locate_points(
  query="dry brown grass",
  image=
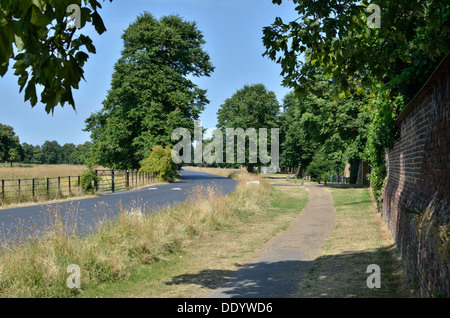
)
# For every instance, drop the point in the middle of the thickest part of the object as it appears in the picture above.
(37, 266)
(227, 173)
(41, 171)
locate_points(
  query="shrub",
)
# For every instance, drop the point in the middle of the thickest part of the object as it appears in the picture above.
(160, 163)
(88, 179)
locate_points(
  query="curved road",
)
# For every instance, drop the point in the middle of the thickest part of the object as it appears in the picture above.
(22, 221)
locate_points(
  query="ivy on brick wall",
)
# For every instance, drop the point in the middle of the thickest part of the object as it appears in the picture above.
(382, 134)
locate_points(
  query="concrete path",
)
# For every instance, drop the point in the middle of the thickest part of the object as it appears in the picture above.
(280, 264)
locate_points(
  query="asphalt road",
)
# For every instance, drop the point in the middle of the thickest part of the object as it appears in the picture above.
(23, 221)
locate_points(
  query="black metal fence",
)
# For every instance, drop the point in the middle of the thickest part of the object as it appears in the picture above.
(44, 189)
(37, 189)
(119, 180)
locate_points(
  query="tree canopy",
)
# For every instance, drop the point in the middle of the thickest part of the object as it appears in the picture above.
(334, 130)
(9, 144)
(50, 152)
(411, 40)
(387, 62)
(151, 93)
(251, 107)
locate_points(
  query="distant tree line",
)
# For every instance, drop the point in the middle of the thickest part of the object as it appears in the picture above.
(50, 152)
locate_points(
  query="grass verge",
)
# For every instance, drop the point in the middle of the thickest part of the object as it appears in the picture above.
(358, 240)
(179, 251)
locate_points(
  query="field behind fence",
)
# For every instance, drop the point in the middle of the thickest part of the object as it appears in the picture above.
(23, 190)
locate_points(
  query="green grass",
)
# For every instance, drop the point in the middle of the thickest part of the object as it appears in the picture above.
(359, 239)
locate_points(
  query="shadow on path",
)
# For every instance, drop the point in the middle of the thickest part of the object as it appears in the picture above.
(253, 280)
(331, 276)
(281, 263)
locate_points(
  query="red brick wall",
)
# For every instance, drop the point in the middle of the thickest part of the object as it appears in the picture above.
(416, 197)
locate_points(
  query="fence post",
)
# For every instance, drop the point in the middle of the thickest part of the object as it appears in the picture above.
(19, 190)
(59, 186)
(95, 181)
(112, 181)
(3, 190)
(127, 180)
(48, 187)
(69, 186)
(32, 188)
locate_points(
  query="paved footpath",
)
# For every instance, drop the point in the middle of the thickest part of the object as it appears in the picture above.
(281, 263)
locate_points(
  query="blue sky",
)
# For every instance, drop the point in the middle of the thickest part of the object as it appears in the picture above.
(232, 30)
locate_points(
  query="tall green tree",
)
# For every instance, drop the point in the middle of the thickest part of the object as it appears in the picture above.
(51, 152)
(38, 156)
(297, 150)
(81, 154)
(46, 50)
(66, 153)
(151, 91)
(251, 107)
(27, 152)
(317, 123)
(10, 147)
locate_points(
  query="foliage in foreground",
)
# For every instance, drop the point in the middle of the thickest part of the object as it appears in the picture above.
(46, 52)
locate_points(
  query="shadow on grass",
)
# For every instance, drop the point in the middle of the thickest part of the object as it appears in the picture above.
(346, 275)
(334, 276)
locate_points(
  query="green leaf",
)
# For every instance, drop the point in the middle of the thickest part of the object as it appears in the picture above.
(19, 42)
(98, 22)
(25, 19)
(41, 4)
(22, 80)
(38, 18)
(85, 16)
(88, 43)
(30, 93)
(360, 91)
